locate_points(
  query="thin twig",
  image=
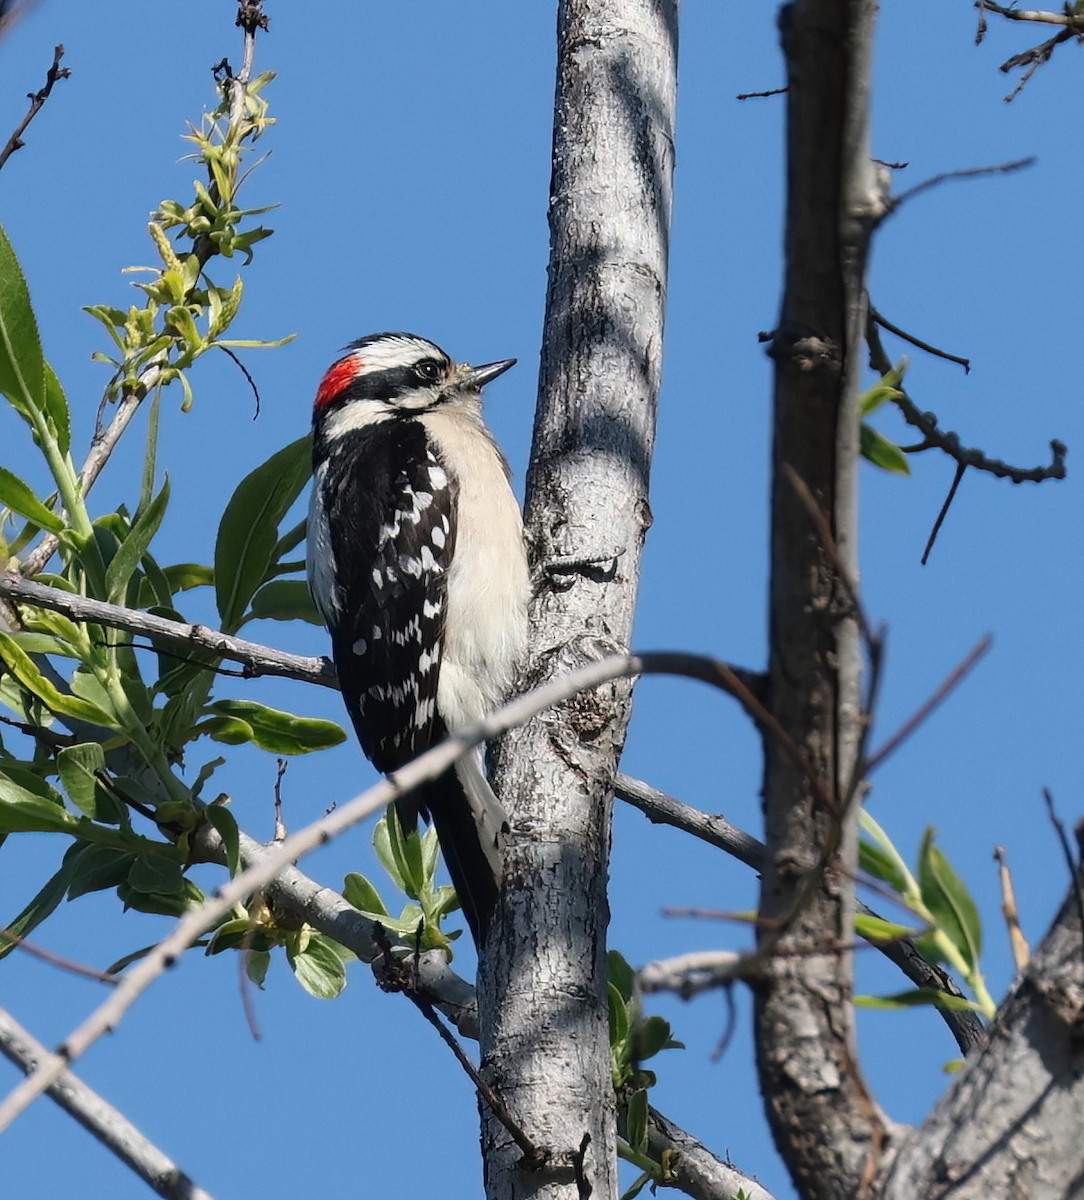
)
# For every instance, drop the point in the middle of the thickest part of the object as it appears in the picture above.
(534, 1157)
(957, 479)
(949, 443)
(779, 91)
(56, 960)
(250, 19)
(37, 101)
(99, 1118)
(1021, 952)
(910, 337)
(1070, 859)
(263, 660)
(945, 689)
(422, 769)
(893, 203)
(244, 371)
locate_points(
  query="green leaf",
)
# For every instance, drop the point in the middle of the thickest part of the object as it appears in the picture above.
(230, 731)
(640, 1182)
(359, 892)
(636, 1120)
(877, 930)
(916, 998)
(256, 965)
(430, 851)
(99, 868)
(22, 812)
(949, 902)
(183, 576)
(242, 933)
(22, 666)
(621, 975)
(881, 858)
(276, 731)
(886, 388)
(156, 875)
(56, 408)
(382, 846)
(876, 861)
(877, 449)
(285, 600)
(318, 968)
(77, 766)
(21, 499)
(135, 545)
(22, 367)
(224, 824)
(652, 1035)
(619, 1016)
(162, 905)
(406, 849)
(248, 532)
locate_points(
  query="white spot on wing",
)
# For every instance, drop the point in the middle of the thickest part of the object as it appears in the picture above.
(360, 646)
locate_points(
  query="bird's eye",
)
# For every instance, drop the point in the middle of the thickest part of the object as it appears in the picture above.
(428, 371)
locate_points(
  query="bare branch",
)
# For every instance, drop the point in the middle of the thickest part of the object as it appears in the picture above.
(945, 689)
(694, 1169)
(933, 436)
(326, 910)
(428, 766)
(893, 203)
(688, 975)
(943, 512)
(99, 1118)
(1066, 18)
(37, 100)
(885, 323)
(965, 1026)
(663, 809)
(256, 659)
(55, 960)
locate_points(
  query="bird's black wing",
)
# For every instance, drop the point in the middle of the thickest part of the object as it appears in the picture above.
(390, 507)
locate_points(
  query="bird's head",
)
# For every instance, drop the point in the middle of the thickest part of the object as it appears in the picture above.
(387, 375)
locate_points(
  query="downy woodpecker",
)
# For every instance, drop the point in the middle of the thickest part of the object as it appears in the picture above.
(416, 562)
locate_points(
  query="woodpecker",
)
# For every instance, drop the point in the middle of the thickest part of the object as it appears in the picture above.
(416, 562)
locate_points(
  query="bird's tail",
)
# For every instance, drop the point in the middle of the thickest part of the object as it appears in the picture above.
(471, 826)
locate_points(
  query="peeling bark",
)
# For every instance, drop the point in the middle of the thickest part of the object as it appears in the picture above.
(543, 1011)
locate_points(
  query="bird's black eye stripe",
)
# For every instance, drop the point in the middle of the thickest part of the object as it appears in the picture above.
(428, 370)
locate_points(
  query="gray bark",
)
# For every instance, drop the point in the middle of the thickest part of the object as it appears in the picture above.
(1011, 1123)
(825, 1123)
(543, 1011)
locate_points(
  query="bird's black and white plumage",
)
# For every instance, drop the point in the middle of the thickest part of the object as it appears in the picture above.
(416, 562)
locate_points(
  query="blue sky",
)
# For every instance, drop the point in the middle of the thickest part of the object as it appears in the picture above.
(411, 163)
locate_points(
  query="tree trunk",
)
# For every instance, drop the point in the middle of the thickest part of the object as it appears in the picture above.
(543, 1008)
(1010, 1124)
(825, 1123)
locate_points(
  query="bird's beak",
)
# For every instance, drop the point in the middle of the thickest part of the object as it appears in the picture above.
(478, 377)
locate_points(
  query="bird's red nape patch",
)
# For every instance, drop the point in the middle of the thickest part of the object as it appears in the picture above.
(338, 377)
